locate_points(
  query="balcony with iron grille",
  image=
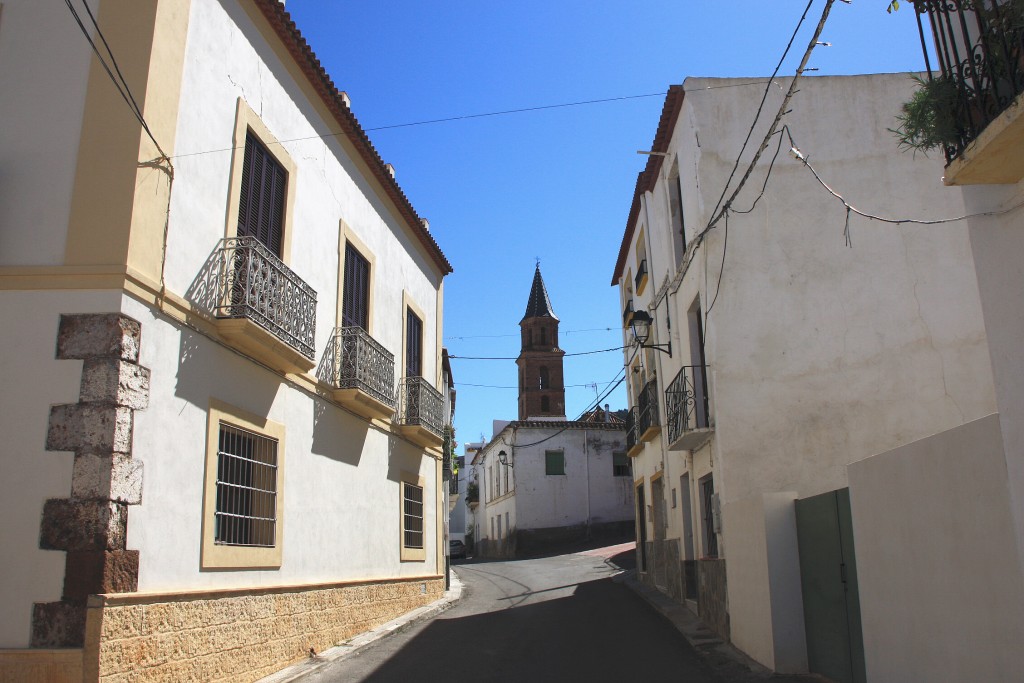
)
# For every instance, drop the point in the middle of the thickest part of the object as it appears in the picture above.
(627, 313)
(633, 444)
(975, 95)
(640, 281)
(262, 306)
(420, 412)
(686, 404)
(363, 374)
(648, 422)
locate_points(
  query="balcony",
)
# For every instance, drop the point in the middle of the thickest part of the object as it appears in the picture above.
(420, 412)
(648, 422)
(262, 307)
(472, 495)
(979, 45)
(686, 402)
(640, 281)
(633, 444)
(363, 374)
(627, 313)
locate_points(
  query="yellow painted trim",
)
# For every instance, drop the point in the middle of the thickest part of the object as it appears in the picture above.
(246, 121)
(348, 235)
(411, 554)
(439, 339)
(215, 556)
(440, 511)
(657, 475)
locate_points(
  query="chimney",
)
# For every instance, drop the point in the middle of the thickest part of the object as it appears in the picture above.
(606, 418)
(391, 169)
(345, 98)
(426, 224)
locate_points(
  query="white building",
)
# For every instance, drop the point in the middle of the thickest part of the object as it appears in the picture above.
(545, 484)
(794, 359)
(241, 427)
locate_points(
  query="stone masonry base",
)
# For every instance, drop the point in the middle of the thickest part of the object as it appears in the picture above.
(235, 635)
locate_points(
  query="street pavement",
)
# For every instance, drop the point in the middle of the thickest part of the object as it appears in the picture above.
(569, 617)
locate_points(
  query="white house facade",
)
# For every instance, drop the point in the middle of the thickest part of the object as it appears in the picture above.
(794, 347)
(224, 382)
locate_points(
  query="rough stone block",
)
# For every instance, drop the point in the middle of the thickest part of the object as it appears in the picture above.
(111, 335)
(71, 524)
(107, 477)
(58, 624)
(111, 380)
(100, 571)
(91, 427)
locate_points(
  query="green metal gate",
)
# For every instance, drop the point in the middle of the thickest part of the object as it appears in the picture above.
(828, 571)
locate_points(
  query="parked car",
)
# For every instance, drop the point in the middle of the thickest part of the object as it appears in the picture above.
(457, 549)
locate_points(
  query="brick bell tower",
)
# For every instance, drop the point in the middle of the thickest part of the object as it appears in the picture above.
(541, 387)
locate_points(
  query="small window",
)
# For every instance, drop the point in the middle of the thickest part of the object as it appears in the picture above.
(554, 462)
(545, 404)
(621, 466)
(412, 516)
(545, 380)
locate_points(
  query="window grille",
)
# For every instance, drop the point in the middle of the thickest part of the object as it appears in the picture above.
(246, 511)
(412, 511)
(554, 462)
(620, 465)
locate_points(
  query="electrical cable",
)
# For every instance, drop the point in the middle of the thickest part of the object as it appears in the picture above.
(431, 121)
(119, 81)
(496, 336)
(581, 353)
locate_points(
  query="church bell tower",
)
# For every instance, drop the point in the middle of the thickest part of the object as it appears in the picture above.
(541, 386)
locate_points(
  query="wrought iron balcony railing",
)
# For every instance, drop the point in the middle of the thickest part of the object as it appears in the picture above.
(647, 408)
(360, 362)
(421, 405)
(256, 285)
(641, 273)
(627, 313)
(686, 402)
(631, 426)
(979, 45)
(453, 485)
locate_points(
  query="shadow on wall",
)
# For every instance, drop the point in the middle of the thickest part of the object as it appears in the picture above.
(337, 434)
(403, 457)
(206, 370)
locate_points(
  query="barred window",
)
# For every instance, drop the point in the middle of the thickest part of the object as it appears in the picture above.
(412, 514)
(620, 465)
(246, 509)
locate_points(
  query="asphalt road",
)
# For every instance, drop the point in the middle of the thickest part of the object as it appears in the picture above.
(560, 618)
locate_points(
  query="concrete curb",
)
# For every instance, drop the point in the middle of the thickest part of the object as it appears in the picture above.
(723, 659)
(297, 671)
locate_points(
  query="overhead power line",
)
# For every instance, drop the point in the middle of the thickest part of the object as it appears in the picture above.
(444, 120)
(581, 353)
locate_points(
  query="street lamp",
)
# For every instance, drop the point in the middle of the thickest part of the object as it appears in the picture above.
(504, 460)
(641, 324)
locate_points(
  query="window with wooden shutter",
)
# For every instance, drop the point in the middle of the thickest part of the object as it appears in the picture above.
(355, 307)
(261, 205)
(413, 345)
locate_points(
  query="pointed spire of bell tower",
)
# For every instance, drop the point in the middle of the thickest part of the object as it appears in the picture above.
(541, 387)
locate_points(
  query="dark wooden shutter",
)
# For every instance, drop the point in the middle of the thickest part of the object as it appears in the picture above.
(413, 345)
(261, 206)
(355, 303)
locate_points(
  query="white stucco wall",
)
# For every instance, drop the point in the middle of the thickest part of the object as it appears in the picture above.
(228, 59)
(940, 588)
(33, 380)
(44, 81)
(996, 241)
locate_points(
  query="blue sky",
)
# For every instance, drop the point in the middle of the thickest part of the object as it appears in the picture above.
(555, 184)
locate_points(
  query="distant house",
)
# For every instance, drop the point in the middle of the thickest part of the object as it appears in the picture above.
(223, 407)
(813, 440)
(545, 481)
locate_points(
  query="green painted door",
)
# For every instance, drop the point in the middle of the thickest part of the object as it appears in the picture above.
(828, 571)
